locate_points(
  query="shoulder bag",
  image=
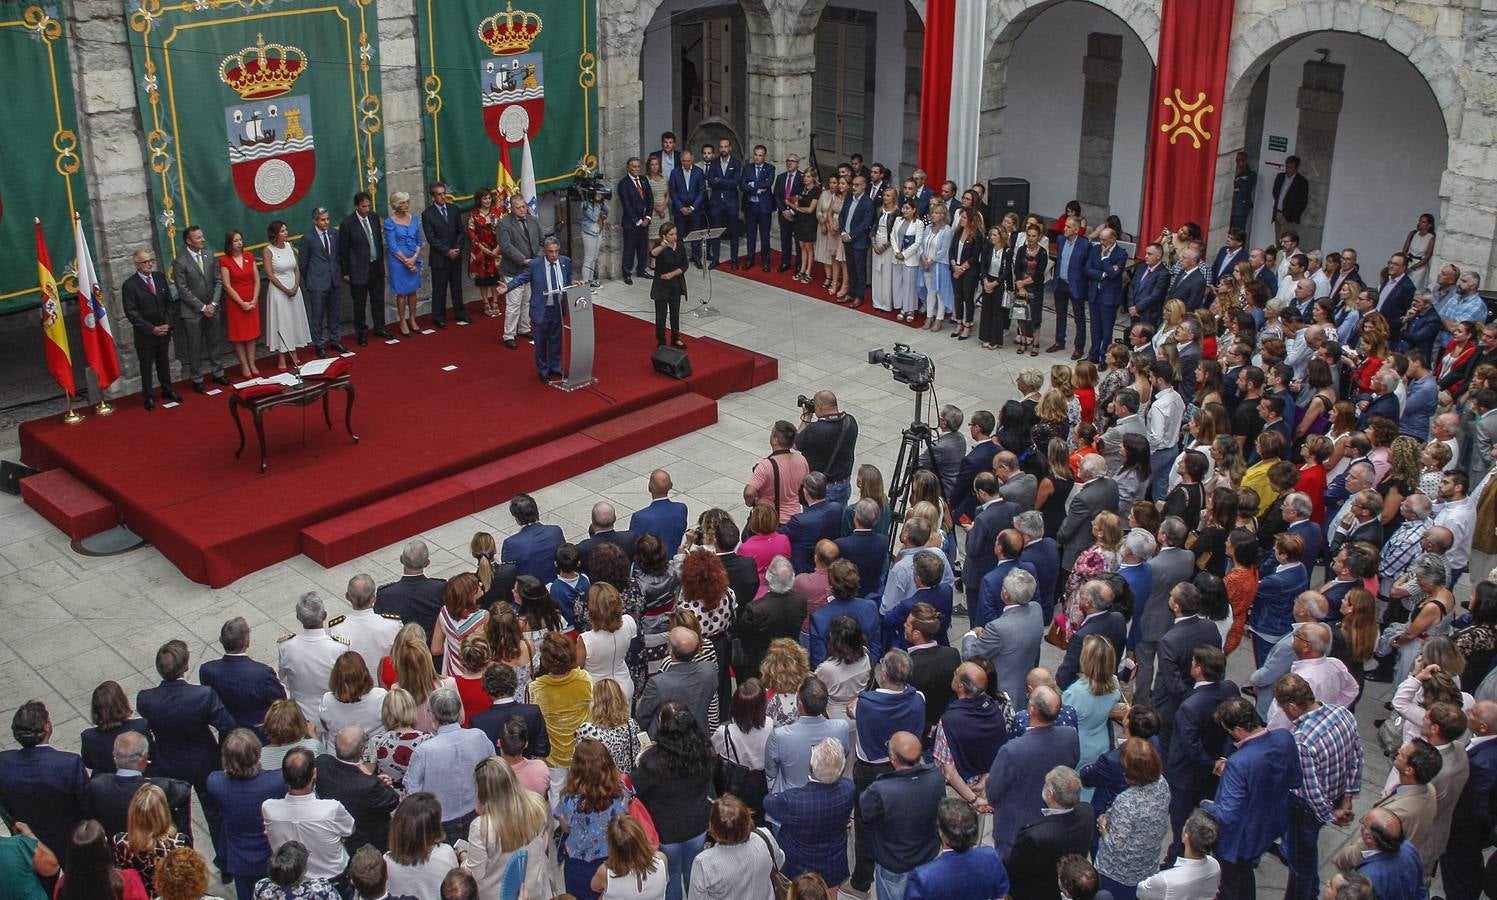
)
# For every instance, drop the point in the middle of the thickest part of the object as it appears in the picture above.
(777, 879)
(733, 777)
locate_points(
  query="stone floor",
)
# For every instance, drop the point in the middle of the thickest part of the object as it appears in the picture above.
(72, 621)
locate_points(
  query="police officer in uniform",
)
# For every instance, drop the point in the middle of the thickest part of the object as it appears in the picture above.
(306, 659)
(368, 633)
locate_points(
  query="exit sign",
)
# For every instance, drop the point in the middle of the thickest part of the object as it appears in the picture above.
(1278, 143)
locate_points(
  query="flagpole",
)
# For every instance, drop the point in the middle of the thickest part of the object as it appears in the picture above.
(72, 416)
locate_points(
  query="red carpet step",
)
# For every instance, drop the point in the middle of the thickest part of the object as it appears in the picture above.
(76, 509)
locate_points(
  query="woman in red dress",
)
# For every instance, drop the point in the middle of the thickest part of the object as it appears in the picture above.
(241, 285)
(483, 255)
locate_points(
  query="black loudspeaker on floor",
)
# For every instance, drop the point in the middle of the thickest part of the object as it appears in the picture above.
(671, 361)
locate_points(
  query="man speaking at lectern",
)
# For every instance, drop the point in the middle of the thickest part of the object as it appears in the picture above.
(548, 275)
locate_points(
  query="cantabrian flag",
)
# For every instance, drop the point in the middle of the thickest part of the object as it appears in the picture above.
(98, 336)
(54, 331)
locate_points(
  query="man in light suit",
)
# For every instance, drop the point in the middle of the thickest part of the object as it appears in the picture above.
(361, 259)
(637, 199)
(1096, 493)
(688, 681)
(1011, 641)
(548, 276)
(199, 310)
(447, 236)
(149, 307)
(856, 227)
(665, 518)
(1104, 279)
(1069, 286)
(787, 186)
(1291, 194)
(689, 202)
(758, 205)
(1172, 565)
(724, 177)
(1151, 279)
(533, 548)
(320, 277)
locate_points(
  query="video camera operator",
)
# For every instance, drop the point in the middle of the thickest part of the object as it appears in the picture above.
(950, 449)
(828, 437)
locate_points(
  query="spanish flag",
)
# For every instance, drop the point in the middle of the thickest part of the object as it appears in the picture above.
(54, 332)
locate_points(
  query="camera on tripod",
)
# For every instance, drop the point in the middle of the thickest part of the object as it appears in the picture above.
(909, 367)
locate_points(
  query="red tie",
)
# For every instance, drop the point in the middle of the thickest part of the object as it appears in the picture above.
(150, 284)
(788, 178)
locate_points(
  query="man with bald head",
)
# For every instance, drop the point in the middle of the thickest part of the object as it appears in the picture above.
(1389, 860)
(1476, 810)
(1309, 606)
(829, 439)
(689, 681)
(370, 800)
(601, 530)
(665, 518)
(898, 810)
(107, 796)
(1014, 484)
(1016, 780)
(969, 733)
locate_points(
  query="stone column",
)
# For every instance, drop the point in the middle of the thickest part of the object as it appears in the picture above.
(1319, 105)
(401, 99)
(780, 67)
(621, 38)
(117, 176)
(1102, 68)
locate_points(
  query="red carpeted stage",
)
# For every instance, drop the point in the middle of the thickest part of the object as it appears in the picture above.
(434, 445)
(786, 281)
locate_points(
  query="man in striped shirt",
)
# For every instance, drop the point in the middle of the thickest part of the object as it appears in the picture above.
(1330, 759)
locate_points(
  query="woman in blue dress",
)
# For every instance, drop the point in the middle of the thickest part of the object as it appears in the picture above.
(1094, 696)
(403, 258)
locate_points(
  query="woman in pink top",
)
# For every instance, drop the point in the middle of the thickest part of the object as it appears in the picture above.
(764, 542)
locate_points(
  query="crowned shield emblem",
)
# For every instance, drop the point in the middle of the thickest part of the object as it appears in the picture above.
(271, 153)
(514, 97)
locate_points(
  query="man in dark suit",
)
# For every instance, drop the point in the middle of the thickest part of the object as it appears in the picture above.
(415, 597)
(1396, 295)
(962, 500)
(1198, 740)
(1229, 255)
(987, 602)
(245, 686)
(855, 226)
(1190, 285)
(637, 199)
(724, 181)
(665, 518)
(361, 259)
(669, 156)
(777, 614)
(320, 280)
(1069, 286)
(1291, 194)
(1252, 798)
(787, 187)
(500, 683)
(601, 531)
(1475, 811)
(1152, 615)
(866, 548)
(1042, 553)
(447, 237)
(758, 205)
(369, 800)
(688, 202)
(1151, 279)
(1016, 782)
(200, 308)
(548, 276)
(1098, 617)
(689, 681)
(743, 574)
(1104, 279)
(520, 243)
(1176, 649)
(184, 718)
(819, 519)
(1042, 841)
(106, 797)
(532, 549)
(151, 310)
(932, 664)
(40, 785)
(993, 515)
(1095, 493)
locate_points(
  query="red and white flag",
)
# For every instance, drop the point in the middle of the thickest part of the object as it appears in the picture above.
(98, 337)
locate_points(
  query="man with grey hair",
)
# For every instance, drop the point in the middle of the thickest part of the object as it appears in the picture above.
(1095, 492)
(244, 685)
(1384, 402)
(864, 547)
(1043, 554)
(1328, 677)
(1064, 827)
(369, 799)
(368, 633)
(519, 246)
(779, 613)
(687, 680)
(812, 815)
(1012, 640)
(306, 658)
(1171, 565)
(1095, 600)
(322, 283)
(548, 277)
(1361, 521)
(879, 713)
(1446, 428)
(1309, 606)
(107, 795)
(414, 598)
(1296, 510)
(1016, 781)
(948, 450)
(602, 529)
(444, 763)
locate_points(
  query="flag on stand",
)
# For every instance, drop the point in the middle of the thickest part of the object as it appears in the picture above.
(527, 180)
(98, 337)
(54, 331)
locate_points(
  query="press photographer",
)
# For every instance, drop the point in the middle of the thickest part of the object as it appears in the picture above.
(828, 437)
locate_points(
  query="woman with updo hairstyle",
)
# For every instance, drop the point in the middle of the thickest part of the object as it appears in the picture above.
(351, 699)
(1143, 381)
(403, 259)
(739, 861)
(476, 656)
(564, 693)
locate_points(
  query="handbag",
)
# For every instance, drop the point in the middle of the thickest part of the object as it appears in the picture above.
(777, 879)
(733, 777)
(1390, 735)
(1056, 636)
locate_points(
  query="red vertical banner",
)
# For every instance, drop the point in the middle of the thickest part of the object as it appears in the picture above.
(935, 88)
(1189, 93)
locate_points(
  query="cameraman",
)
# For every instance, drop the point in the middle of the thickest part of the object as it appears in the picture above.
(829, 441)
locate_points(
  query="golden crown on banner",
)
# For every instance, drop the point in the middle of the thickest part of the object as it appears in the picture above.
(509, 32)
(264, 70)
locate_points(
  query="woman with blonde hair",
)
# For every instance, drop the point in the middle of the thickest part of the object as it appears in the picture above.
(870, 487)
(486, 551)
(935, 257)
(1060, 380)
(286, 728)
(1174, 313)
(603, 651)
(403, 259)
(1102, 556)
(508, 645)
(786, 667)
(391, 750)
(149, 833)
(416, 673)
(1095, 697)
(634, 869)
(610, 724)
(351, 699)
(1054, 420)
(459, 617)
(1142, 366)
(1227, 463)
(510, 818)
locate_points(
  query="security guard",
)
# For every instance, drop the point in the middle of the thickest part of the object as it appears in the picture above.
(306, 659)
(368, 633)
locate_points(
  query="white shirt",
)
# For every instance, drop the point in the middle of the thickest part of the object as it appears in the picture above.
(1460, 517)
(1166, 411)
(333, 715)
(1322, 284)
(1187, 879)
(304, 664)
(424, 880)
(369, 634)
(319, 824)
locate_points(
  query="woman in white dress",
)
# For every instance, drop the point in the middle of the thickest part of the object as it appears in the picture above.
(286, 326)
(907, 243)
(883, 253)
(603, 651)
(844, 671)
(1419, 247)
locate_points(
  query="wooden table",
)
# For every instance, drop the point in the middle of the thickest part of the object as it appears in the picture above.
(304, 394)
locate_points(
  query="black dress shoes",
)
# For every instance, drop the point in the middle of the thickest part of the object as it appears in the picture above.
(628, 280)
(171, 395)
(149, 403)
(221, 379)
(338, 347)
(524, 336)
(381, 333)
(783, 267)
(644, 275)
(766, 267)
(542, 377)
(200, 387)
(441, 325)
(363, 340)
(510, 343)
(735, 265)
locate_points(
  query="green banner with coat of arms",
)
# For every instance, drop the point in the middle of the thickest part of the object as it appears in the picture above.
(41, 173)
(256, 111)
(497, 74)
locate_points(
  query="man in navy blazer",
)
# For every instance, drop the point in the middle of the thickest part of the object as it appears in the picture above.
(107, 796)
(500, 683)
(1198, 740)
(1229, 255)
(637, 202)
(1476, 810)
(1104, 278)
(855, 228)
(759, 204)
(1151, 279)
(787, 187)
(1190, 285)
(986, 603)
(447, 236)
(866, 548)
(1016, 782)
(546, 275)
(1172, 681)
(963, 869)
(818, 520)
(1252, 798)
(688, 201)
(322, 281)
(992, 516)
(724, 181)
(665, 518)
(532, 549)
(1095, 599)
(415, 597)
(1384, 402)
(39, 784)
(245, 686)
(1042, 553)
(1072, 249)
(1396, 295)
(184, 718)
(963, 501)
